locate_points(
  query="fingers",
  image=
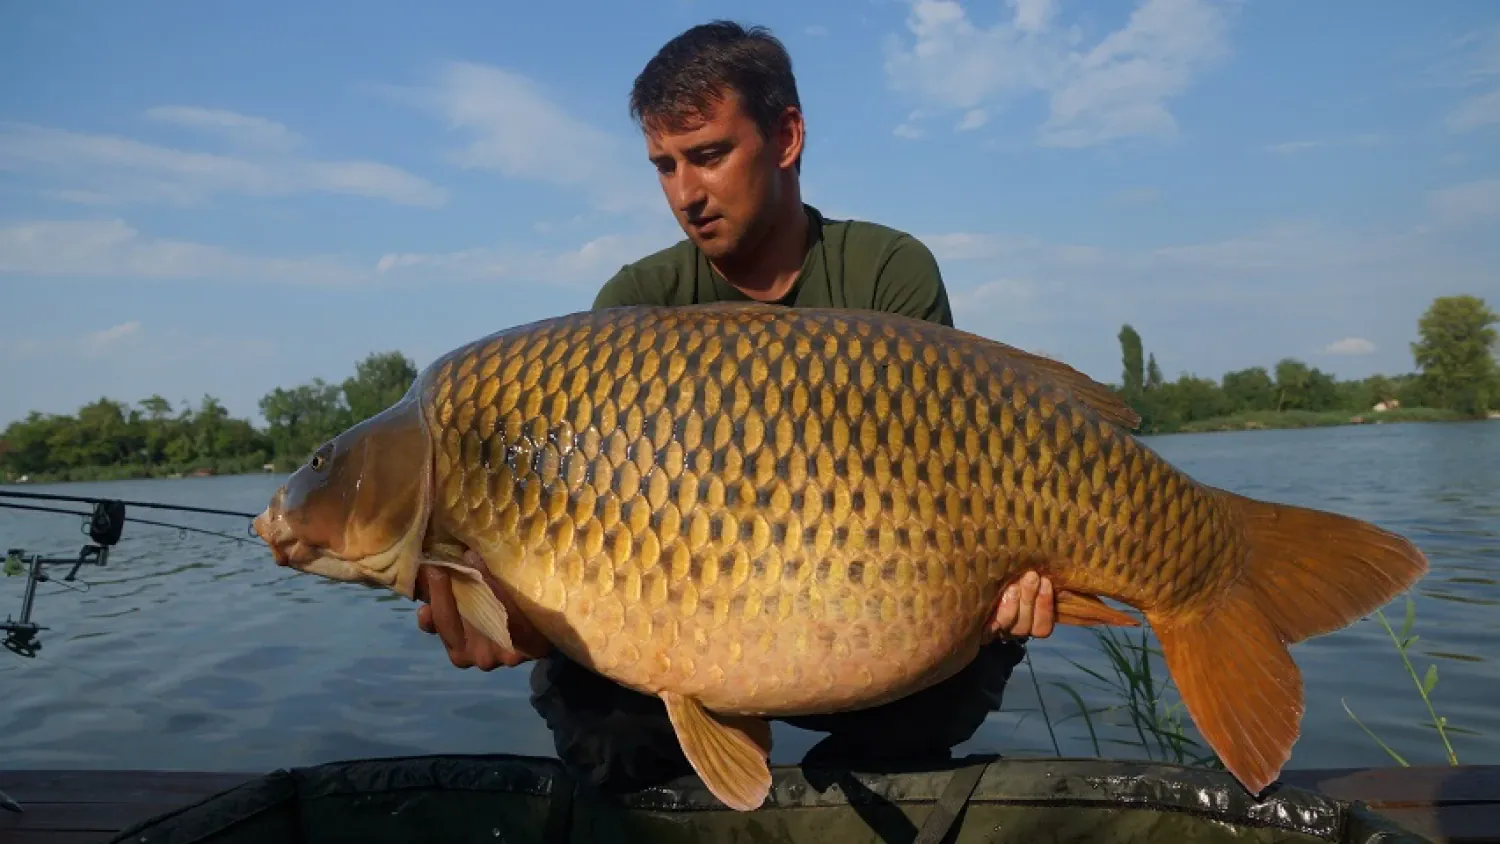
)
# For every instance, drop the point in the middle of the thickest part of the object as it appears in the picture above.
(1005, 613)
(444, 617)
(1027, 607)
(467, 647)
(529, 642)
(1026, 604)
(1045, 611)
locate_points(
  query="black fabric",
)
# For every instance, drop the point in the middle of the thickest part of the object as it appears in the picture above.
(522, 800)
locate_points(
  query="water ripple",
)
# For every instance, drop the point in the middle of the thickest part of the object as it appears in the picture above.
(190, 652)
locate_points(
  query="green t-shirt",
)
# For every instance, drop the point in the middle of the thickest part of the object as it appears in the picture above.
(849, 264)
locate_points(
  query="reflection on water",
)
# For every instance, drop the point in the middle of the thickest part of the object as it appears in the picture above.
(187, 651)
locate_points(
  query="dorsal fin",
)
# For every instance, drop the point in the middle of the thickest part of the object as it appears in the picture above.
(1100, 398)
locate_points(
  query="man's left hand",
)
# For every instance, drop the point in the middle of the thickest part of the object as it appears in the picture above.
(1027, 608)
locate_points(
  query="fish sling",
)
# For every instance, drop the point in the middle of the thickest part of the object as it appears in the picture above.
(753, 511)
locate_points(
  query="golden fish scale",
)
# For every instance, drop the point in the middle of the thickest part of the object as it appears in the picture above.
(796, 511)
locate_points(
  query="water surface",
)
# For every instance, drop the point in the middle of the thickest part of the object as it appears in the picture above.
(190, 652)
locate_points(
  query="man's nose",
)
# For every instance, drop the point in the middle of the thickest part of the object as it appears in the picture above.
(687, 189)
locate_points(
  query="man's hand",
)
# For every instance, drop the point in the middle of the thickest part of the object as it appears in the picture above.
(1027, 608)
(467, 647)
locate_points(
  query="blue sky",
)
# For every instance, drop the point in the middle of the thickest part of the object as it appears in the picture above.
(225, 198)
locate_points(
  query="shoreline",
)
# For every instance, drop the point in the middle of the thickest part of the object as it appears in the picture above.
(1258, 421)
(1287, 420)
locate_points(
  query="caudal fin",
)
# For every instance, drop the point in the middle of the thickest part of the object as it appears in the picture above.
(1304, 572)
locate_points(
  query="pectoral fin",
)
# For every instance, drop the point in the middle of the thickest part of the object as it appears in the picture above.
(1089, 611)
(730, 753)
(477, 604)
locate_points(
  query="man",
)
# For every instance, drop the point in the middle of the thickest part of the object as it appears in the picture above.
(719, 109)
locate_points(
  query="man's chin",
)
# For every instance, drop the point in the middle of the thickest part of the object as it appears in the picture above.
(715, 248)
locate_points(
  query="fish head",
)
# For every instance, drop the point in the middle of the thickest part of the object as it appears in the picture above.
(357, 511)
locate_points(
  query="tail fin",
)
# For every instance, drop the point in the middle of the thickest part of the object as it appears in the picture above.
(1305, 572)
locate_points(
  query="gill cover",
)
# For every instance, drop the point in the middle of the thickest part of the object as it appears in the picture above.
(357, 510)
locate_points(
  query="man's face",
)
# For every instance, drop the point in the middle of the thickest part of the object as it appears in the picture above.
(721, 177)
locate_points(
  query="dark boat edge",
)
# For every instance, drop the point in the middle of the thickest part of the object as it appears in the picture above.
(1459, 804)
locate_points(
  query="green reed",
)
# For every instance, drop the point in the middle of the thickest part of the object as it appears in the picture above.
(1147, 705)
(1425, 684)
(1154, 717)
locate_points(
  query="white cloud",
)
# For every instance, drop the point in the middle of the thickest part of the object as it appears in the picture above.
(1216, 304)
(1474, 62)
(1477, 111)
(1117, 88)
(106, 339)
(909, 131)
(1032, 15)
(1350, 346)
(973, 119)
(515, 130)
(587, 265)
(112, 249)
(1000, 293)
(1461, 204)
(1293, 147)
(1287, 265)
(232, 126)
(121, 169)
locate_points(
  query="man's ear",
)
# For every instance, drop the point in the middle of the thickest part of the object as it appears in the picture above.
(791, 133)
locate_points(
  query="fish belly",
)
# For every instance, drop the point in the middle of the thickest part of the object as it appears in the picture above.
(767, 639)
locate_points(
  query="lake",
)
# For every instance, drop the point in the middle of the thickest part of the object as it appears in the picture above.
(193, 652)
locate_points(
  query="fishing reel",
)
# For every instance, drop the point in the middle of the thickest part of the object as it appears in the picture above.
(104, 527)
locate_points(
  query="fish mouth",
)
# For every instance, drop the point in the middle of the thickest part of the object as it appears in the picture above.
(286, 548)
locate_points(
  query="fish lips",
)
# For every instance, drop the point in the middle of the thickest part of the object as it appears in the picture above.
(272, 528)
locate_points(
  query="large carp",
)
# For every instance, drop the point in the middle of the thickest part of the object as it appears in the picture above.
(758, 511)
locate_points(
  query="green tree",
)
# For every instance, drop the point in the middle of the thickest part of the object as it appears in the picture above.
(302, 418)
(156, 408)
(1153, 373)
(158, 429)
(1301, 387)
(379, 381)
(30, 451)
(1134, 378)
(1249, 390)
(1195, 399)
(1456, 354)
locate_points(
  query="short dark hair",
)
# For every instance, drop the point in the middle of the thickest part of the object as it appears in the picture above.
(689, 75)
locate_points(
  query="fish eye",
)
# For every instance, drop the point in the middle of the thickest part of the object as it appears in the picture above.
(319, 459)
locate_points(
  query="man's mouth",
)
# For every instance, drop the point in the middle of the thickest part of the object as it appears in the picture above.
(706, 225)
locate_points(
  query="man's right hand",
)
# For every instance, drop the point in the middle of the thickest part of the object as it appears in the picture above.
(467, 647)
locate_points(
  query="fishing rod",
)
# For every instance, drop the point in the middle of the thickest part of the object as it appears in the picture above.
(149, 505)
(183, 528)
(103, 526)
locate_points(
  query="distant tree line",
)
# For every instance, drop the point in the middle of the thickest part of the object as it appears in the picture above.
(108, 439)
(1457, 377)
